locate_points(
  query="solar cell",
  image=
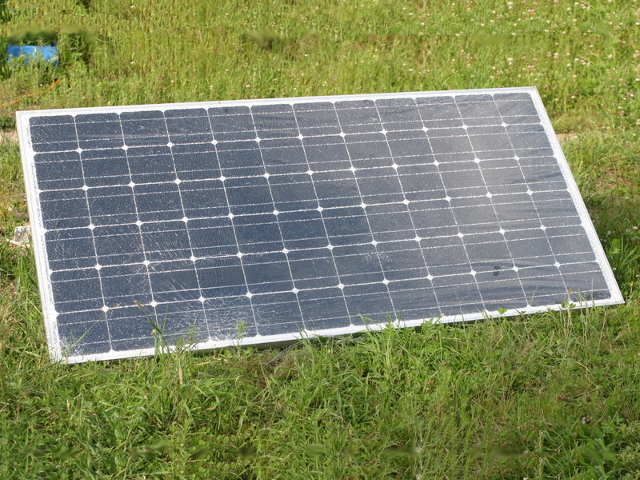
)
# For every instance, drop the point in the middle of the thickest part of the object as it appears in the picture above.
(260, 221)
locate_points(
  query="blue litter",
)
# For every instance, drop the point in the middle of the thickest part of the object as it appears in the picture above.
(32, 54)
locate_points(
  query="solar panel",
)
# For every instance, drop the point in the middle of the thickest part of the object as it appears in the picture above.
(260, 221)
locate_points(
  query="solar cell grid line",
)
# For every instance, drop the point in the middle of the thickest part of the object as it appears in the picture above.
(91, 227)
(141, 284)
(285, 251)
(262, 221)
(185, 218)
(459, 234)
(490, 143)
(211, 274)
(148, 228)
(332, 267)
(415, 116)
(372, 121)
(530, 193)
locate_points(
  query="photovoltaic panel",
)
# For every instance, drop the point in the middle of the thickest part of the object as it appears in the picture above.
(260, 221)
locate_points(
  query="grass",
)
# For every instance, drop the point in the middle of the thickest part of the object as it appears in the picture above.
(553, 395)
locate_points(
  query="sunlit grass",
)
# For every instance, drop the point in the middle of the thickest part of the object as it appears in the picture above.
(547, 396)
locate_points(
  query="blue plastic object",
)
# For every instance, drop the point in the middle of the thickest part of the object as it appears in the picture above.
(31, 54)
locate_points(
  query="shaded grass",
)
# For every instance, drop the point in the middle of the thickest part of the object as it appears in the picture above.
(547, 396)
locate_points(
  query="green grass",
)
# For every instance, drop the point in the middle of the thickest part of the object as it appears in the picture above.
(553, 395)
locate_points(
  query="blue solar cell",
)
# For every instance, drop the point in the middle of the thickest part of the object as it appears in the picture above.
(259, 221)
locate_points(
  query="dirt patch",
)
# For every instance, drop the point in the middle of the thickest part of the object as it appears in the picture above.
(9, 135)
(566, 137)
